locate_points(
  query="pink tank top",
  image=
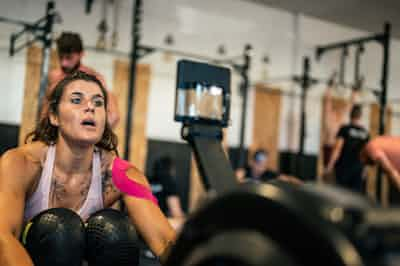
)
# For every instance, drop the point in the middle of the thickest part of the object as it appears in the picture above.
(39, 201)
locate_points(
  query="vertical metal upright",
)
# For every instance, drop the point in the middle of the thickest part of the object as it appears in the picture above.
(342, 70)
(357, 64)
(134, 55)
(305, 85)
(385, 41)
(46, 52)
(244, 91)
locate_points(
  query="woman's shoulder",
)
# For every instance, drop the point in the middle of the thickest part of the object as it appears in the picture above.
(26, 159)
(35, 151)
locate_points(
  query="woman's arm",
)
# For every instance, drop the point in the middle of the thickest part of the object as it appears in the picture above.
(148, 219)
(14, 181)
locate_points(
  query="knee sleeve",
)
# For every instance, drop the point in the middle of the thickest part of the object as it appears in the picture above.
(55, 237)
(111, 239)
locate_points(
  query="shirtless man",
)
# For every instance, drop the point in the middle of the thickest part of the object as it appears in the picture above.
(385, 152)
(70, 162)
(70, 53)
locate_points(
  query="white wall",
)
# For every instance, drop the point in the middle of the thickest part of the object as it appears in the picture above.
(199, 27)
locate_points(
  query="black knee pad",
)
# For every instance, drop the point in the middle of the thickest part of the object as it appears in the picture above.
(111, 239)
(55, 237)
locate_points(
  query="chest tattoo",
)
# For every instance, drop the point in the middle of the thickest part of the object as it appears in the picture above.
(107, 184)
(59, 189)
(67, 195)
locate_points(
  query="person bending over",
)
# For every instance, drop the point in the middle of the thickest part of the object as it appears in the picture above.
(384, 151)
(70, 53)
(70, 161)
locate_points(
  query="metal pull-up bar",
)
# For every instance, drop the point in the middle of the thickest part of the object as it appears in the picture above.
(382, 38)
(357, 63)
(305, 82)
(342, 69)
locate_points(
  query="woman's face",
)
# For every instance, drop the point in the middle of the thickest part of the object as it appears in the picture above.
(81, 113)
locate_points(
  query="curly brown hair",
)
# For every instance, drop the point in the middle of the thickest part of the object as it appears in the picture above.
(48, 133)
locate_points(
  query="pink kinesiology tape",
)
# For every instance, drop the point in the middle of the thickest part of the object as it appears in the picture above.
(127, 185)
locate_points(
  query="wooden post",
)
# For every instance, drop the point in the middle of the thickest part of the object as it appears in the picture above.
(120, 88)
(266, 125)
(31, 91)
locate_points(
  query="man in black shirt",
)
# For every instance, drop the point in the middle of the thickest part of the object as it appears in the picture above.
(345, 158)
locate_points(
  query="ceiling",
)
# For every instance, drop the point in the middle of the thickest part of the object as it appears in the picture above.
(368, 15)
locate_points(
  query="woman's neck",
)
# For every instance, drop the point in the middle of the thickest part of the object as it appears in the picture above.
(72, 158)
